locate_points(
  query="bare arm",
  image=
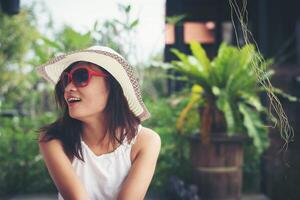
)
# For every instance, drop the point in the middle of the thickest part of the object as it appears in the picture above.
(140, 175)
(61, 171)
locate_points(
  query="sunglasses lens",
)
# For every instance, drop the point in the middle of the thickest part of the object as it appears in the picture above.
(65, 80)
(80, 77)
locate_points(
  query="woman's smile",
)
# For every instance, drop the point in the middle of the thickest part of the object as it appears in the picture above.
(74, 103)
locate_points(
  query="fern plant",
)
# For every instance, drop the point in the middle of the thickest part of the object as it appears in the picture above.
(226, 91)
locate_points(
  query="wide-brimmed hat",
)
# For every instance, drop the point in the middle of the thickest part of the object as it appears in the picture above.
(108, 59)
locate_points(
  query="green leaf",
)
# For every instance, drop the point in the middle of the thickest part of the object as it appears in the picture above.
(51, 43)
(253, 100)
(247, 54)
(225, 65)
(200, 54)
(285, 95)
(187, 68)
(41, 53)
(216, 91)
(95, 26)
(134, 23)
(256, 130)
(268, 74)
(224, 105)
(175, 19)
(128, 8)
(180, 55)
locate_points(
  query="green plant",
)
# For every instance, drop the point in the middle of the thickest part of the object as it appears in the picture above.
(175, 19)
(173, 158)
(16, 37)
(22, 169)
(118, 34)
(228, 91)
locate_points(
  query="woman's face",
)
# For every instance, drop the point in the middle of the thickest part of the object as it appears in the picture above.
(93, 97)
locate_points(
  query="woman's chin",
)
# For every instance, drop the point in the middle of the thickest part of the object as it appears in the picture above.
(75, 115)
(82, 116)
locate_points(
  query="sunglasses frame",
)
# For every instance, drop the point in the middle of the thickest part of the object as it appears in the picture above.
(90, 74)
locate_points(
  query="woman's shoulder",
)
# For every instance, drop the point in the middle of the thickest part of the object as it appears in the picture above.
(51, 146)
(147, 133)
(147, 139)
(45, 141)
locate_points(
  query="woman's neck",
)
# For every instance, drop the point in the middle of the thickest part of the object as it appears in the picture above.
(95, 132)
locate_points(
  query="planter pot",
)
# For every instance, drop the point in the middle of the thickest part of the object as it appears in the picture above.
(217, 167)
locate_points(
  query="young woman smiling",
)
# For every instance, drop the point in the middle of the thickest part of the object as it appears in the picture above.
(98, 149)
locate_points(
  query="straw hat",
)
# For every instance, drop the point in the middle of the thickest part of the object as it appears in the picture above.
(108, 59)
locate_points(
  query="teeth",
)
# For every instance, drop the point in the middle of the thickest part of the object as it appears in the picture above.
(73, 99)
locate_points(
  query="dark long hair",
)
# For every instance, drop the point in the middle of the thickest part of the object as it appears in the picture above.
(68, 130)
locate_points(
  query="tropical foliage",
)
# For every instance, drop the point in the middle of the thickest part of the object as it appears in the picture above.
(227, 84)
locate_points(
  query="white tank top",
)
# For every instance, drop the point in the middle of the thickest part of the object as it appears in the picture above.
(102, 176)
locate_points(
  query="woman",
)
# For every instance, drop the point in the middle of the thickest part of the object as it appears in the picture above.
(98, 149)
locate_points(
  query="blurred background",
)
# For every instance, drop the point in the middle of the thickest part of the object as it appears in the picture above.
(194, 61)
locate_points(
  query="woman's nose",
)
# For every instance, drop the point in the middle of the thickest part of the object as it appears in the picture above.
(70, 87)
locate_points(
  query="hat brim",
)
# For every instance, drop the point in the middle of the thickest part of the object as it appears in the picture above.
(113, 63)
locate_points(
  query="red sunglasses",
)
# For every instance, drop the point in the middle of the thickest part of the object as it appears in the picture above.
(80, 76)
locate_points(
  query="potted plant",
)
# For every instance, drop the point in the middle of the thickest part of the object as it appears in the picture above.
(226, 93)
